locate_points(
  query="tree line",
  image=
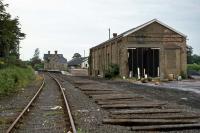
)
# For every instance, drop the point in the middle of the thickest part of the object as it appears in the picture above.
(10, 33)
(192, 58)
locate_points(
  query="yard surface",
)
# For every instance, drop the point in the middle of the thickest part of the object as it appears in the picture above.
(86, 108)
(185, 92)
(89, 114)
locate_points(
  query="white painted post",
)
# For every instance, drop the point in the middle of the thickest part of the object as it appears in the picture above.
(138, 73)
(158, 72)
(130, 74)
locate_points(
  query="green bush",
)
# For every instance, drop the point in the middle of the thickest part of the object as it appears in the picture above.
(38, 66)
(108, 74)
(194, 67)
(14, 77)
(183, 75)
(112, 71)
(2, 63)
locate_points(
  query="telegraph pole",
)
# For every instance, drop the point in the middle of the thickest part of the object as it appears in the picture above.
(109, 32)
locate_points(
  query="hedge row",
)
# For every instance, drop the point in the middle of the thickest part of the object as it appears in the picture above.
(193, 67)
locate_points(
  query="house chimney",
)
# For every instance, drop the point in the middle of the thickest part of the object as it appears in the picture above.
(114, 35)
(48, 52)
(56, 52)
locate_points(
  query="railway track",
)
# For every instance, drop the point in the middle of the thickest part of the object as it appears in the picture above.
(135, 111)
(48, 110)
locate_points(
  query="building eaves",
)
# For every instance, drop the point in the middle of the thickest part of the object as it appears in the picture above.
(150, 22)
(46, 56)
(128, 32)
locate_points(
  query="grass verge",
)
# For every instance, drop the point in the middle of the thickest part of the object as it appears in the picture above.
(13, 77)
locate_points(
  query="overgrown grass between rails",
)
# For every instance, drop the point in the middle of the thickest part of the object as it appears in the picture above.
(14, 77)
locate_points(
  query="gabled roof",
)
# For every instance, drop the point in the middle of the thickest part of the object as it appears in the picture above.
(76, 61)
(148, 23)
(46, 56)
(128, 32)
(61, 59)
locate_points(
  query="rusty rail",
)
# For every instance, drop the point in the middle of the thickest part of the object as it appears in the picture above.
(66, 104)
(26, 108)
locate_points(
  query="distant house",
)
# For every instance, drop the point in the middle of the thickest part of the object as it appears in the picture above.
(55, 62)
(79, 62)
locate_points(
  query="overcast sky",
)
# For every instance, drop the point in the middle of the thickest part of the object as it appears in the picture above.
(71, 26)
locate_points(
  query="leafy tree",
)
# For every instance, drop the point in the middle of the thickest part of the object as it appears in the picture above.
(192, 58)
(36, 58)
(10, 33)
(37, 53)
(189, 54)
(76, 55)
(196, 59)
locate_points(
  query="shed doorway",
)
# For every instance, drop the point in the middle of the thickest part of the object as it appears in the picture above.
(143, 61)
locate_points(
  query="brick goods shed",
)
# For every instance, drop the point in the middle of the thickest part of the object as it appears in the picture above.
(153, 49)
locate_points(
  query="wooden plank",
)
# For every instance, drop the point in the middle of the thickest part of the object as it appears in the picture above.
(128, 102)
(100, 92)
(173, 116)
(85, 82)
(147, 121)
(132, 106)
(166, 127)
(147, 111)
(96, 89)
(138, 98)
(114, 96)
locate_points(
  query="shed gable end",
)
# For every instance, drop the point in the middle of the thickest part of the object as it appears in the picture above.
(154, 33)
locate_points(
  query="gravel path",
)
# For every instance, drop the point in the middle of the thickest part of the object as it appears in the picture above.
(87, 114)
(47, 114)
